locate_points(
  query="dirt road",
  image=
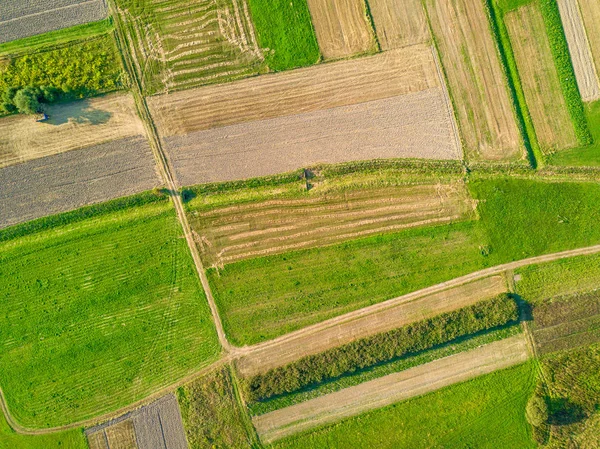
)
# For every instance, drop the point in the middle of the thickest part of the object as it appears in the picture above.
(392, 388)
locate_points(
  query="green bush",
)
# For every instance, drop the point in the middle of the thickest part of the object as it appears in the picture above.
(536, 411)
(382, 347)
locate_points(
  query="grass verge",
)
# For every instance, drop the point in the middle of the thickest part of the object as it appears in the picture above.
(70, 439)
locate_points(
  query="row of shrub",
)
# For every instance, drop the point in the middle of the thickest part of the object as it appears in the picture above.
(417, 166)
(382, 347)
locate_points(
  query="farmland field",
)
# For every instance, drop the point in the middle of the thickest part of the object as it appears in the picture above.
(109, 344)
(590, 11)
(119, 435)
(27, 18)
(458, 416)
(539, 76)
(180, 44)
(476, 79)
(399, 24)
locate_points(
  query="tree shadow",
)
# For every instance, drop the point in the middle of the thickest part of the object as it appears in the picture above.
(563, 412)
(81, 112)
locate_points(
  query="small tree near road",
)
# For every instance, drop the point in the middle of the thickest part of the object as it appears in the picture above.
(27, 101)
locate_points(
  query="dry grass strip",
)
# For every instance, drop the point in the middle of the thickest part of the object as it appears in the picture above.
(399, 23)
(590, 11)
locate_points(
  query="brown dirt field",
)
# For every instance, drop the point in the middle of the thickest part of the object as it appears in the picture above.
(399, 23)
(539, 77)
(590, 11)
(233, 233)
(391, 389)
(342, 27)
(159, 425)
(579, 47)
(363, 323)
(416, 125)
(71, 126)
(476, 79)
(118, 436)
(310, 89)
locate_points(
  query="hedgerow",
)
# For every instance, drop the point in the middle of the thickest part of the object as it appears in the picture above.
(382, 347)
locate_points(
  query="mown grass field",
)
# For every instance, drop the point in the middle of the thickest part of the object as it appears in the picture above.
(285, 33)
(487, 412)
(71, 439)
(101, 308)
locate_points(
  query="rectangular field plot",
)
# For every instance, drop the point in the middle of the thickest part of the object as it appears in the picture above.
(342, 27)
(476, 79)
(101, 308)
(63, 182)
(23, 18)
(179, 44)
(579, 48)
(590, 11)
(399, 23)
(539, 76)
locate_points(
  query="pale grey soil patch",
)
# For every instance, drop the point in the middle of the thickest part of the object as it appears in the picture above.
(409, 126)
(69, 180)
(159, 425)
(23, 18)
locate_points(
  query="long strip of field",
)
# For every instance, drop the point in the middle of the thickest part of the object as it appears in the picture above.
(590, 11)
(342, 27)
(63, 182)
(232, 233)
(71, 126)
(579, 48)
(365, 322)
(539, 76)
(19, 18)
(399, 24)
(390, 389)
(476, 79)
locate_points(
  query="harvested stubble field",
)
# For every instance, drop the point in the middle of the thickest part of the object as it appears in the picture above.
(178, 44)
(101, 308)
(389, 389)
(476, 79)
(232, 233)
(22, 18)
(399, 24)
(63, 182)
(365, 322)
(539, 77)
(579, 48)
(120, 435)
(71, 126)
(342, 27)
(590, 11)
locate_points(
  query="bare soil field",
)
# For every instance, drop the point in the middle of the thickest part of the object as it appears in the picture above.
(310, 89)
(180, 44)
(342, 27)
(69, 180)
(368, 321)
(476, 79)
(23, 18)
(579, 48)
(399, 24)
(233, 233)
(590, 11)
(409, 126)
(71, 126)
(539, 77)
(391, 388)
(120, 435)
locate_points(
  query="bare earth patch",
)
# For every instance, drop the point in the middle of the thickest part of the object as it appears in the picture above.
(399, 23)
(71, 126)
(391, 388)
(342, 27)
(362, 323)
(539, 76)
(579, 48)
(476, 79)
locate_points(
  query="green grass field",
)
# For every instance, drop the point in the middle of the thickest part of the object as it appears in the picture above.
(285, 29)
(487, 412)
(98, 312)
(55, 38)
(72, 439)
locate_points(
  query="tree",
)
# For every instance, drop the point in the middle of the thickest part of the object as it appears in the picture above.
(27, 101)
(537, 411)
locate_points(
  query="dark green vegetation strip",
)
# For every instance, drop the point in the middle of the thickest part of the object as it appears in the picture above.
(564, 66)
(99, 313)
(211, 415)
(383, 347)
(55, 38)
(457, 417)
(456, 346)
(79, 70)
(285, 33)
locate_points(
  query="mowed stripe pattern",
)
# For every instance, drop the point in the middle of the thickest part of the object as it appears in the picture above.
(391, 388)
